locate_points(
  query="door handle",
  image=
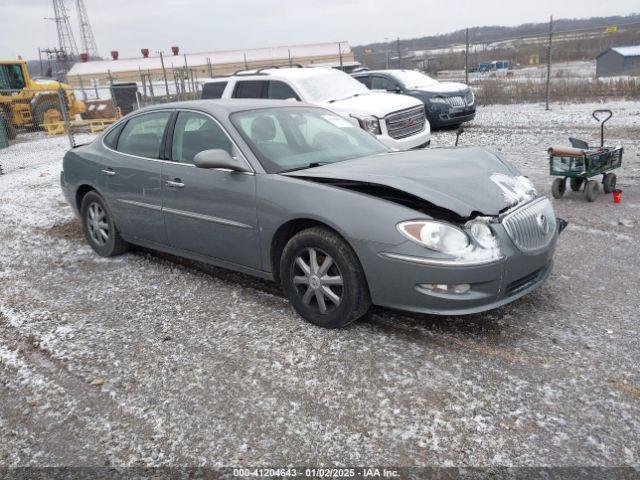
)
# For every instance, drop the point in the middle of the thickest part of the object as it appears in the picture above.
(174, 183)
(108, 172)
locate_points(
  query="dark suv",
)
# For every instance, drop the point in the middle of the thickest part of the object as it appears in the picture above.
(446, 103)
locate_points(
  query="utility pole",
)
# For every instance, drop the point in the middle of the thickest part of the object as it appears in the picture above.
(399, 55)
(466, 59)
(386, 42)
(164, 73)
(340, 54)
(549, 52)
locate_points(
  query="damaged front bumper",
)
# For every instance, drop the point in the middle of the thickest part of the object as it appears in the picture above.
(406, 279)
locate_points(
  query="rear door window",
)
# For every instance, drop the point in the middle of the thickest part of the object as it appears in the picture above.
(281, 91)
(195, 133)
(213, 90)
(250, 89)
(142, 135)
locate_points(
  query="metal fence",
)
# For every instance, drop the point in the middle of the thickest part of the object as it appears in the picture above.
(543, 67)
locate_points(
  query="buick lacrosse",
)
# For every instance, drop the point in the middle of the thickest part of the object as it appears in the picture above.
(299, 195)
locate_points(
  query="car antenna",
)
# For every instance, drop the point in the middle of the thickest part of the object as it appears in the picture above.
(459, 132)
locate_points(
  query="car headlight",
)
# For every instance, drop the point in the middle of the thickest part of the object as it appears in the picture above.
(437, 100)
(438, 236)
(370, 124)
(482, 233)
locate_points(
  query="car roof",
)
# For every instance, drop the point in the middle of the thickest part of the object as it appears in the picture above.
(226, 106)
(390, 71)
(287, 72)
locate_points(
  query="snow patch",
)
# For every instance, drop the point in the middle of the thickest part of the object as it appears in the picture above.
(514, 189)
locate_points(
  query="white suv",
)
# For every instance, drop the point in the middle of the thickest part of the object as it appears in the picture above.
(398, 121)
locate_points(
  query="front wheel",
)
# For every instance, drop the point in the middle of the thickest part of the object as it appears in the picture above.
(323, 278)
(99, 228)
(558, 187)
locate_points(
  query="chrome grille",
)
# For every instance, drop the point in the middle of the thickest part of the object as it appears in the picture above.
(455, 101)
(532, 226)
(406, 123)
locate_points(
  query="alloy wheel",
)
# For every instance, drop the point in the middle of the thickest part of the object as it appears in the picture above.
(317, 279)
(97, 224)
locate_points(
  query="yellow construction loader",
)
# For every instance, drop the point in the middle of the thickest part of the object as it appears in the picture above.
(27, 103)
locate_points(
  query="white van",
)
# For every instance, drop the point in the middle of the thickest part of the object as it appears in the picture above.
(398, 121)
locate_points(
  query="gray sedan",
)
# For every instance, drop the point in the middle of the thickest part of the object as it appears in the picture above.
(296, 194)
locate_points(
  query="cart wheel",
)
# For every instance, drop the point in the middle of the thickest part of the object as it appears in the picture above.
(576, 183)
(558, 187)
(591, 190)
(609, 182)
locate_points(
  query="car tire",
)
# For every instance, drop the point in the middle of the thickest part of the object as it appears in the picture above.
(591, 190)
(558, 187)
(330, 295)
(46, 106)
(609, 183)
(99, 228)
(576, 183)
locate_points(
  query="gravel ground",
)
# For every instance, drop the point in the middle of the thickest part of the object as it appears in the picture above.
(147, 360)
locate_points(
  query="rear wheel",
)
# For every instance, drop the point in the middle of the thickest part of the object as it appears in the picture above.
(609, 182)
(558, 187)
(323, 278)
(99, 228)
(576, 183)
(591, 190)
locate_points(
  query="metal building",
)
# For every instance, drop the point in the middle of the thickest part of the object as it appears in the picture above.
(618, 61)
(207, 64)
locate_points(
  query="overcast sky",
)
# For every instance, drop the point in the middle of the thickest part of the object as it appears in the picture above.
(206, 25)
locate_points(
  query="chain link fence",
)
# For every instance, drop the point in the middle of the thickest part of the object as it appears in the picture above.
(557, 65)
(32, 119)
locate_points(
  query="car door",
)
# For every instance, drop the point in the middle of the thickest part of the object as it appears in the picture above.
(208, 211)
(134, 187)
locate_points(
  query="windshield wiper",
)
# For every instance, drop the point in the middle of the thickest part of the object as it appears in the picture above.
(346, 98)
(311, 165)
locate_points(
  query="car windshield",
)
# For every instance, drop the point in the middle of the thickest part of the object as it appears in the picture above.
(294, 138)
(325, 84)
(413, 79)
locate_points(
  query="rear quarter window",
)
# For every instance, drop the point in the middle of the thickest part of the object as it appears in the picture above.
(250, 89)
(213, 90)
(111, 138)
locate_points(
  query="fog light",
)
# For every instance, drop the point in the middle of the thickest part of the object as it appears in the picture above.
(462, 288)
(444, 288)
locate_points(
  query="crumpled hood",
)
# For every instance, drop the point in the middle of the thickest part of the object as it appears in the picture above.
(377, 104)
(463, 180)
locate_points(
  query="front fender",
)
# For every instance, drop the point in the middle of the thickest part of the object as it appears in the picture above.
(367, 223)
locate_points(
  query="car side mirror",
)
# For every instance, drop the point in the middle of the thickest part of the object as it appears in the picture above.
(217, 158)
(394, 89)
